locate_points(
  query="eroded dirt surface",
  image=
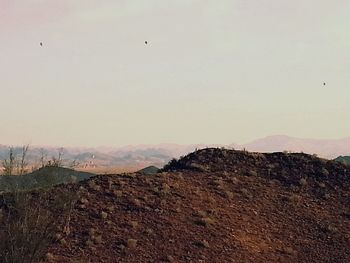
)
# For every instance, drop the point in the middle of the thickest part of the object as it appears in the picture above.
(213, 206)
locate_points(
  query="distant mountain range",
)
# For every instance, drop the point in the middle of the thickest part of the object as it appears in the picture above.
(324, 148)
(139, 156)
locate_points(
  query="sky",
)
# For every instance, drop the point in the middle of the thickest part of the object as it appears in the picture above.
(212, 72)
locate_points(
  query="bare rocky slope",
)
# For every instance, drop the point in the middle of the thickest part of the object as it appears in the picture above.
(213, 205)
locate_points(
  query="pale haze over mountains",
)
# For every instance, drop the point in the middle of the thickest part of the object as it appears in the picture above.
(159, 154)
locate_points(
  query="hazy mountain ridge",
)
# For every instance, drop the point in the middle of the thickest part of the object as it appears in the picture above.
(160, 154)
(139, 155)
(322, 147)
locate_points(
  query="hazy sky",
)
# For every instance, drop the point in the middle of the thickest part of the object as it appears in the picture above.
(213, 71)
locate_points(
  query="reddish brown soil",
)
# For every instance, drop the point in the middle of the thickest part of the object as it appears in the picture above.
(218, 206)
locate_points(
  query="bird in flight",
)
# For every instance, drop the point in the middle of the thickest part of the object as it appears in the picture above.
(324, 83)
(146, 42)
(41, 44)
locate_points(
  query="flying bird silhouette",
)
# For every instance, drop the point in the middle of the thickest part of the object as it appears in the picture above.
(146, 42)
(324, 83)
(41, 43)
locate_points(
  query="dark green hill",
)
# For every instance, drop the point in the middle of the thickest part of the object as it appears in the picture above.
(343, 159)
(41, 178)
(149, 170)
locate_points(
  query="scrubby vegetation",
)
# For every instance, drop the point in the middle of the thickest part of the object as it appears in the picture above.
(16, 177)
(15, 163)
(29, 223)
(31, 220)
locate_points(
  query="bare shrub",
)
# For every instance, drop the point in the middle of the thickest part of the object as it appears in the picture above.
(10, 163)
(43, 157)
(56, 161)
(15, 165)
(22, 163)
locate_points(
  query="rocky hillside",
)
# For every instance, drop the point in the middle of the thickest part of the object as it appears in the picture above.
(213, 205)
(290, 169)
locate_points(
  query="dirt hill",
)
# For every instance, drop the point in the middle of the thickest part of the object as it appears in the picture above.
(213, 205)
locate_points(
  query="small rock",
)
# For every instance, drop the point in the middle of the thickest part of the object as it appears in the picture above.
(321, 184)
(134, 224)
(229, 194)
(203, 244)
(131, 243)
(84, 201)
(252, 173)
(325, 172)
(170, 259)
(118, 193)
(326, 196)
(288, 250)
(50, 257)
(110, 208)
(137, 202)
(332, 228)
(89, 243)
(63, 241)
(206, 221)
(149, 231)
(98, 239)
(58, 236)
(104, 215)
(92, 232)
(302, 182)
